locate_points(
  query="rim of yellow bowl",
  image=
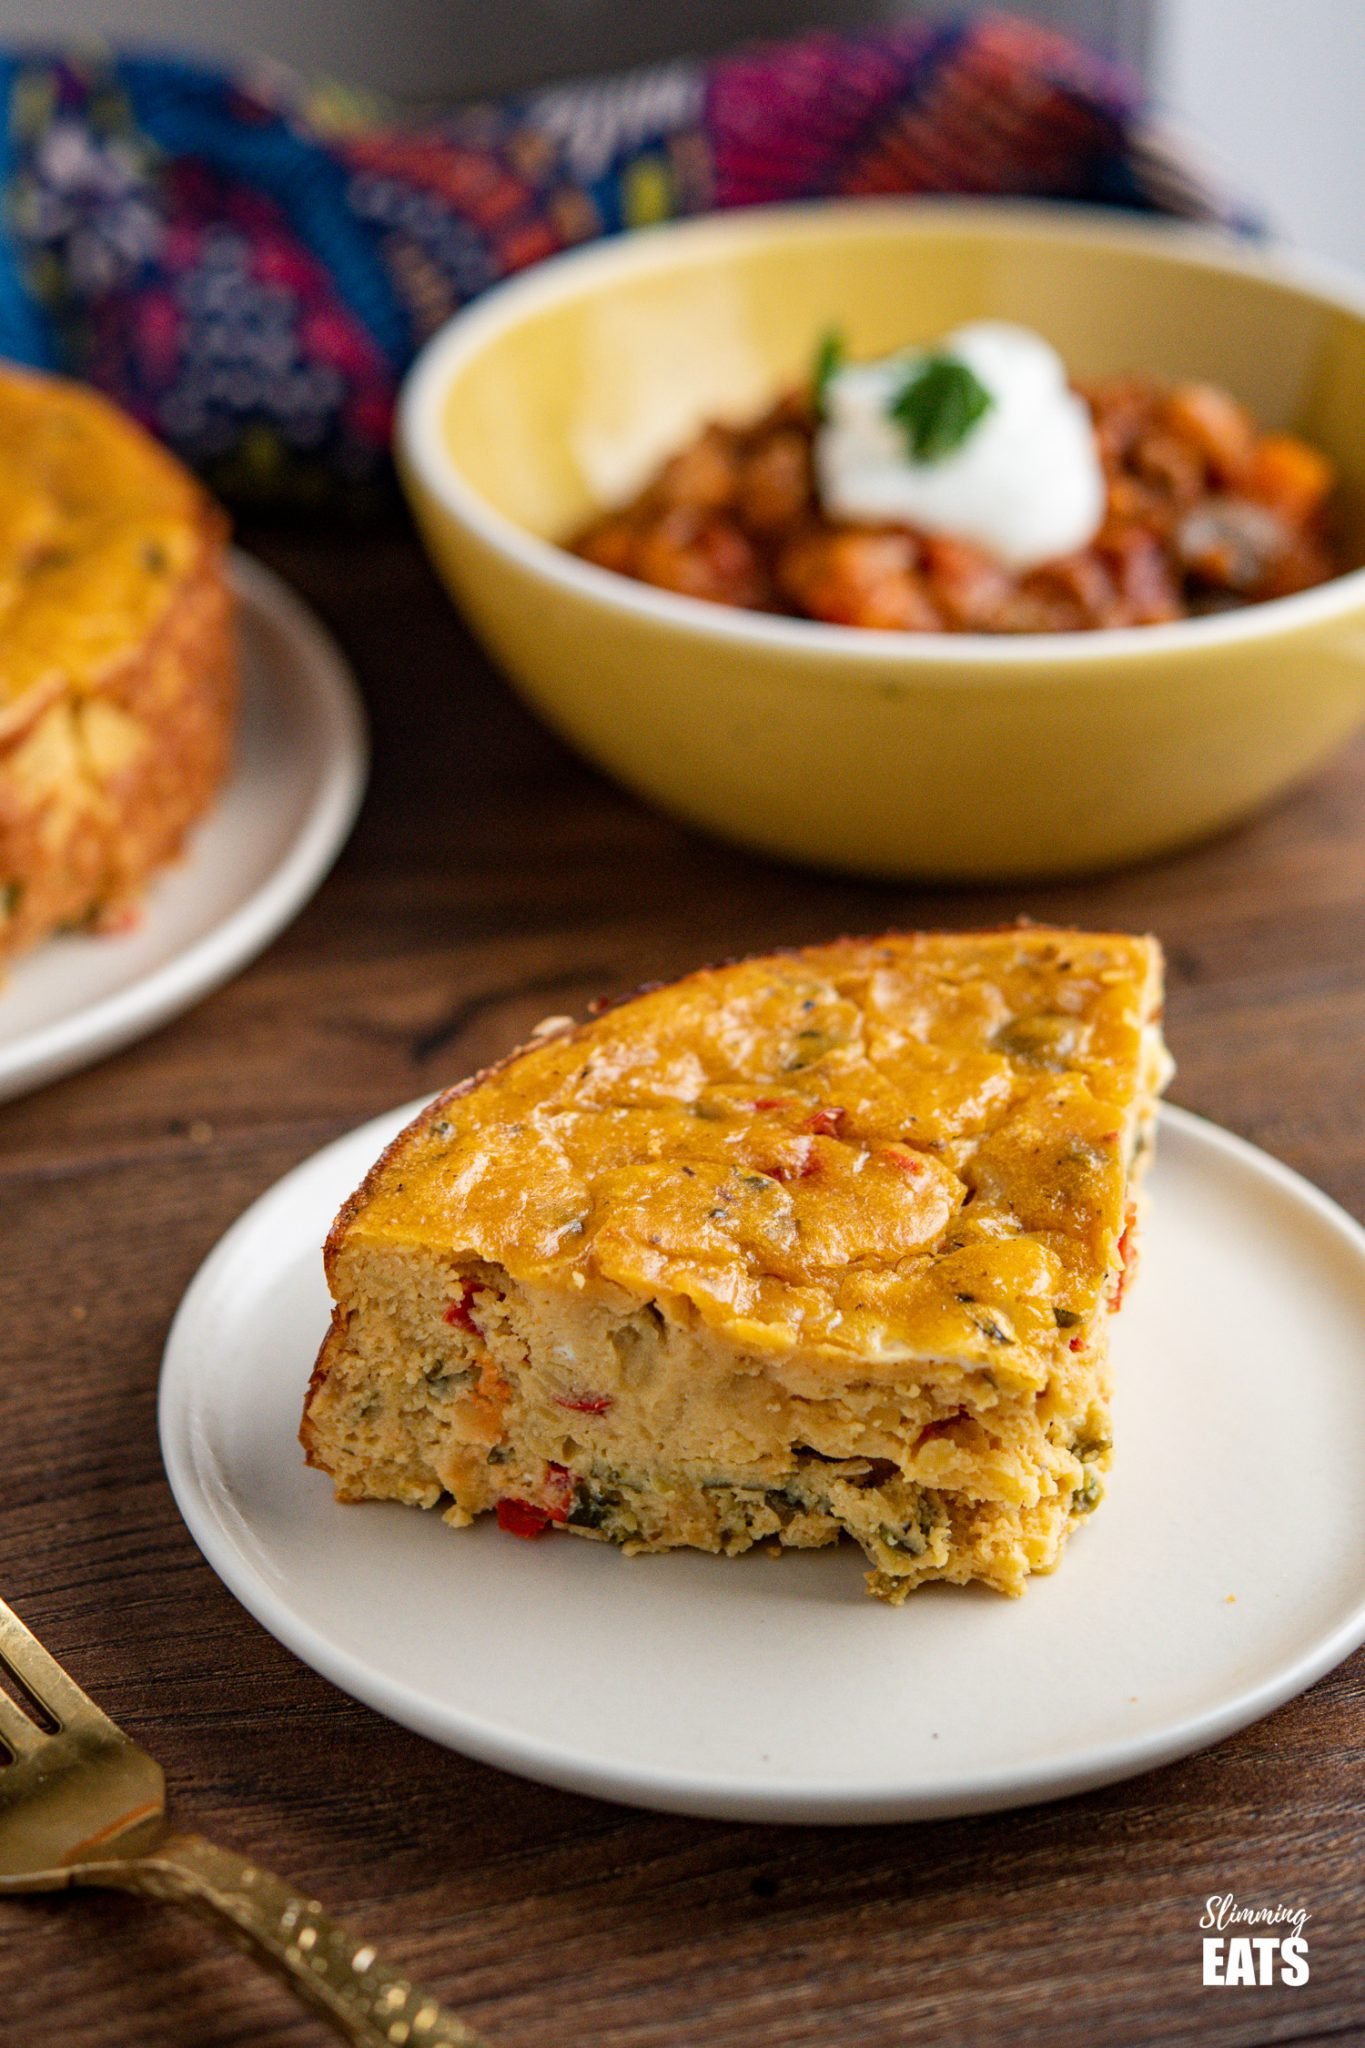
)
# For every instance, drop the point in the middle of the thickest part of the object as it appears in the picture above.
(423, 453)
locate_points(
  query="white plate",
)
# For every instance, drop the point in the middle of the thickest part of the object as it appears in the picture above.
(295, 787)
(1224, 1573)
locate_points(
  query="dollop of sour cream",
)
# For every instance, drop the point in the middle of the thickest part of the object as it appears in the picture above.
(1025, 482)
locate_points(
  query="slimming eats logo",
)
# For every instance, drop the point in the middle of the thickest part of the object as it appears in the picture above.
(1232, 1957)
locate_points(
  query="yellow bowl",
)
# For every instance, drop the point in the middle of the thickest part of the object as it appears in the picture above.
(884, 753)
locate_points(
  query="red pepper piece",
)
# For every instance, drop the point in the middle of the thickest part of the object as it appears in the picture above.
(771, 1102)
(826, 1123)
(1127, 1259)
(585, 1404)
(943, 1427)
(903, 1160)
(558, 1492)
(457, 1311)
(1074, 1343)
(523, 1518)
(803, 1167)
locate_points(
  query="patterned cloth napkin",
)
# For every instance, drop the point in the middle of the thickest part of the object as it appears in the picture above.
(248, 263)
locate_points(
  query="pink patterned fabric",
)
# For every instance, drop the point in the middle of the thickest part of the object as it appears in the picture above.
(248, 264)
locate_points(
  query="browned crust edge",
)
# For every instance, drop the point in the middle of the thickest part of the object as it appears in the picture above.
(180, 682)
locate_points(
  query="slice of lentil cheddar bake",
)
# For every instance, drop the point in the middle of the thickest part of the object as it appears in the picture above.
(117, 670)
(820, 1243)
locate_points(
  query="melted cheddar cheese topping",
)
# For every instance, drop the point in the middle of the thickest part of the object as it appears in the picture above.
(98, 528)
(876, 1149)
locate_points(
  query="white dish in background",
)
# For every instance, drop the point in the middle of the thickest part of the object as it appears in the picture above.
(249, 868)
(1222, 1575)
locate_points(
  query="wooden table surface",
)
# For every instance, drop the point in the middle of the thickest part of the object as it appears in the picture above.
(491, 879)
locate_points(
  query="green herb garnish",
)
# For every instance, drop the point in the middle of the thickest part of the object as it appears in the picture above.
(938, 405)
(829, 360)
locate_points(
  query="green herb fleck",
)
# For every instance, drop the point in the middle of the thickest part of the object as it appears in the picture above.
(939, 403)
(829, 360)
(709, 1112)
(443, 1380)
(11, 896)
(1044, 1039)
(1087, 1497)
(810, 1046)
(593, 1507)
(1065, 1318)
(989, 1327)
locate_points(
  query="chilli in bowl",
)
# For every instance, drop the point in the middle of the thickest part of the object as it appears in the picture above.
(972, 488)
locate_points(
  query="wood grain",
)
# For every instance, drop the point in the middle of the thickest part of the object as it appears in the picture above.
(493, 878)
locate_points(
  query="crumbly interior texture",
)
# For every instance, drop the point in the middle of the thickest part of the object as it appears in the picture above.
(117, 668)
(820, 1245)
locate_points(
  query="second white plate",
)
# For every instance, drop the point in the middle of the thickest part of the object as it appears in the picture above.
(1223, 1574)
(297, 778)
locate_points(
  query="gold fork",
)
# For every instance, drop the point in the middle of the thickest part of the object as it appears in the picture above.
(80, 1803)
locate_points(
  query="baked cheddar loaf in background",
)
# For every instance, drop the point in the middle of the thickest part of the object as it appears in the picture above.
(820, 1243)
(117, 678)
